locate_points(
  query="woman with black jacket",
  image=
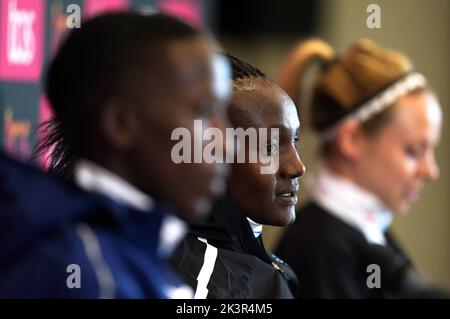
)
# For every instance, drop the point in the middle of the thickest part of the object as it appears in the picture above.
(226, 258)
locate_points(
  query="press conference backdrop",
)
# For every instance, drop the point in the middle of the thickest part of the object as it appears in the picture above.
(30, 32)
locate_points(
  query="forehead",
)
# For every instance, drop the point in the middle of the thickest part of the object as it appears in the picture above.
(418, 114)
(190, 59)
(256, 102)
(181, 69)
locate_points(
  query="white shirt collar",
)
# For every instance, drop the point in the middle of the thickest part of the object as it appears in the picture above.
(256, 228)
(94, 178)
(353, 205)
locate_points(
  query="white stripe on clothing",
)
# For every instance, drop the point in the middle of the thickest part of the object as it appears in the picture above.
(209, 261)
(107, 286)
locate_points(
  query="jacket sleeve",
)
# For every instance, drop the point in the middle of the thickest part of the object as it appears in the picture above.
(51, 266)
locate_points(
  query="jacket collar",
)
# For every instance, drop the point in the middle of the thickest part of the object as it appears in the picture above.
(353, 205)
(95, 178)
(229, 228)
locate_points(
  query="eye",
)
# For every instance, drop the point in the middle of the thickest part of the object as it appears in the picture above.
(272, 148)
(203, 109)
(296, 140)
(413, 152)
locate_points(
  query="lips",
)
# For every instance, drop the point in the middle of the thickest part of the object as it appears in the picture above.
(287, 196)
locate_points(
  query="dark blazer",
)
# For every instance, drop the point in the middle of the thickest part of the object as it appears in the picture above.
(331, 258)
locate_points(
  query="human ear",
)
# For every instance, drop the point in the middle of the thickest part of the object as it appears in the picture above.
(119, 124)
(350, 139)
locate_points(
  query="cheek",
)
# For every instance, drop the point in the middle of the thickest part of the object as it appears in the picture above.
(200, 186)
(264, 183)
(399, 166)
(251, 185)
(377, 169)
(386, 160)
(395, 172)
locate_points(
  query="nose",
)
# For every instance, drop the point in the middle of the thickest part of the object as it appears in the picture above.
(292, 166)
(429, 168)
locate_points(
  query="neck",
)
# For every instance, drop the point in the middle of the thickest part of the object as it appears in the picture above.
(343, 169)
(115, 164)
(352, 204)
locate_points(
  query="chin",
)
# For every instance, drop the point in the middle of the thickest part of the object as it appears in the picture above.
(403, 209)
(400, 208)
(291, 217)
(286, 218)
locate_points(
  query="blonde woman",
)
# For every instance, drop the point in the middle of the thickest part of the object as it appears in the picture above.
(378, 124)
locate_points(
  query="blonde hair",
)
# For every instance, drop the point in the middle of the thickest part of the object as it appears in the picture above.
(360, 72)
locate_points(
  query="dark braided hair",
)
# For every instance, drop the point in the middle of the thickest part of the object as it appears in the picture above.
(90, 67)
(243, 70)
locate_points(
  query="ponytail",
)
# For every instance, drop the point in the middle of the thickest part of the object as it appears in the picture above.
(291, 74)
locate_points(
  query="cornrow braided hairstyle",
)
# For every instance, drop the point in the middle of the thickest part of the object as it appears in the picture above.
(243, 70)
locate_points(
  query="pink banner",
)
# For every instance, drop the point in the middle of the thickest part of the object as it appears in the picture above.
(94, 7)
(186, 10)
(21, 39)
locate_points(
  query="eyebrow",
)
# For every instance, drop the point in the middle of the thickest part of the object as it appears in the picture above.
(285, 128)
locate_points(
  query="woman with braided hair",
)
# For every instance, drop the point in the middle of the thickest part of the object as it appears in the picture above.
(225, 257)
(378, 124)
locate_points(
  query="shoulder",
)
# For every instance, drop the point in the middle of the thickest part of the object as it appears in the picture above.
(221, 273)
(55, 265)
(315, 228)
(84, 260)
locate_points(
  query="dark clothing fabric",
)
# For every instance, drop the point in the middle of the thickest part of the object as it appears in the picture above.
(243, 268)
(331, 258)
(47, 225)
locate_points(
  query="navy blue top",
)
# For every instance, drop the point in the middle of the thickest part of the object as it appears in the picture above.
(46, 225)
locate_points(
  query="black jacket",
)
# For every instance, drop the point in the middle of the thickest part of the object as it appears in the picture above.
(330, 258)
(242, 269)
